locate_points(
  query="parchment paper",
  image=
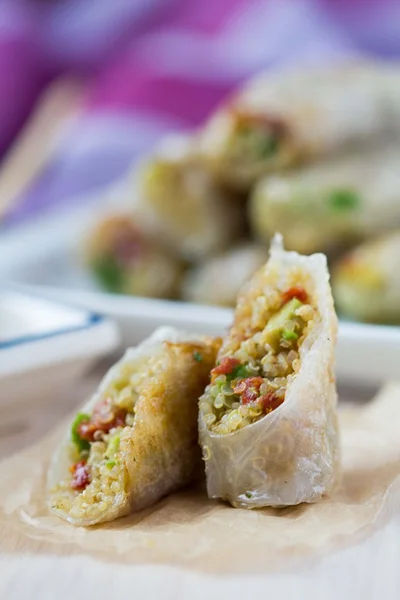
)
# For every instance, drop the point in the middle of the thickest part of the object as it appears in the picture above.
(188, 530)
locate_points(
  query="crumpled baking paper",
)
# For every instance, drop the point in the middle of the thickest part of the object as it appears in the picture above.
(189, 531)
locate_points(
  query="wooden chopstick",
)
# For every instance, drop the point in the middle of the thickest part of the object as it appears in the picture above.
(37, 142)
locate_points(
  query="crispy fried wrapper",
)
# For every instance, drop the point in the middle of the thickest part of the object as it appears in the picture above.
(366, 281)
(175, 199)
(290, 455)
(159, 453)
(278, 120)
(331, 204)
(126, 260)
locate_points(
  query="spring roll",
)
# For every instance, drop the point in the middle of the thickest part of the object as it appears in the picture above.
(175, 199)
(124, 260)
(281, 119)
(136, 439)
(332, 204)
(366, 282)
(267, 422)
(219, 279)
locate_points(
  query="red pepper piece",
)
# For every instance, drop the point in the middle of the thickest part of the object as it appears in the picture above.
(81, 476)
(295, 292)
(248, 389)
(103, 419)
(270, 402)
(263, 122)
(226, 367)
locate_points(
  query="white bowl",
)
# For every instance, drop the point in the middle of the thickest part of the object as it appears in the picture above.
(44, 344)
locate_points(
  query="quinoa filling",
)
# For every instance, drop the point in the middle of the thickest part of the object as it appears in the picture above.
(96, 472)
(255, 138)
(124, 248)
(251, 381)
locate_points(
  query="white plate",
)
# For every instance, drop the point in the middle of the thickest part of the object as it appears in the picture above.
(45, 253)
(366, 354)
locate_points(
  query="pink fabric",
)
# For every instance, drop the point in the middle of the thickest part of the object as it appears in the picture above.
(157, 65)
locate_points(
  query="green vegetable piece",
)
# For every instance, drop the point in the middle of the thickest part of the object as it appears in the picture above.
(197, 356)
(344, 199)
(265, 144)
(289, 336)
(110, 464)
(249, 494)
(75, 437)
(239, 372)
(109, 274)
(268, 146)
(276, 324)
(113, 445)
(244, 130)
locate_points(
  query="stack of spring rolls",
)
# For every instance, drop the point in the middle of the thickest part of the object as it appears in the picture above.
(260, 405)
(312, 154)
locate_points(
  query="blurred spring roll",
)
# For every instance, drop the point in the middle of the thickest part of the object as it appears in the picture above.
(267, 422)
(330, 204)
(124, 260)
(175, 199)
(281, 119)
(366, 282)
(136, 439)
(219, 279)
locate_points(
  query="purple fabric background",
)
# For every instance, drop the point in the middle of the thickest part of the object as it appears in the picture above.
(154, 65)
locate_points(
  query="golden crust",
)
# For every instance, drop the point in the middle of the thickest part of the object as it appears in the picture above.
(160, 452)
(164, 435)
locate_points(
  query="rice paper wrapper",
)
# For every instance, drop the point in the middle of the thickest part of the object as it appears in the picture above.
(290, 455)
(188, 530)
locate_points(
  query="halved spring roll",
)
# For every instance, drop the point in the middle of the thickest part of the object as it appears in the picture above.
(331, 204)
(136, 439)
(268, 423)
(125, 260)
(366, 282)
(281, 119)
(174, 198)
(219, 279)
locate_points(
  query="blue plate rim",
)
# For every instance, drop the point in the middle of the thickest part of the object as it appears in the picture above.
(91, 319)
